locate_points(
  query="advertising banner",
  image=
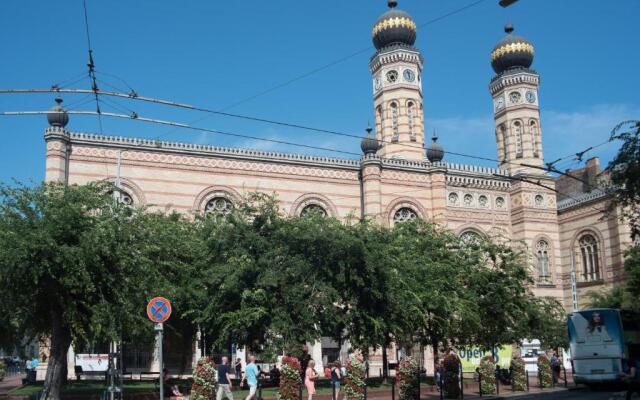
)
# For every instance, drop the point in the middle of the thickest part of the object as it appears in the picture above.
(471, 356)
(595, 334)
(93, 362)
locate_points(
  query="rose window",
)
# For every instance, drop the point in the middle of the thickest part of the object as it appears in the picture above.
(313, 209)
(470, 238)
(219, 206)
(539, 200)
(404, 214)
(122, 197)
(500, 202)
(468, 199)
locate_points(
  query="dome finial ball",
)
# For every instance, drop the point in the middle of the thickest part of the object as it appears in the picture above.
(58, 115)
(393, 4)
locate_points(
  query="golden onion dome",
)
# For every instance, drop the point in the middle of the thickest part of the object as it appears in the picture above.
(394, 27)
(511, 52)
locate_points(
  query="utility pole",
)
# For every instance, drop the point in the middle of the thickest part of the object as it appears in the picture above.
(574, 286)
(117, 195)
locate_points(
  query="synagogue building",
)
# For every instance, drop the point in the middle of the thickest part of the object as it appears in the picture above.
(401, 175)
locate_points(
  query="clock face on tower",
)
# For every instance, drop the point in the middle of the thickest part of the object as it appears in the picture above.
(499, 104)
(409, 75)
(531, 97)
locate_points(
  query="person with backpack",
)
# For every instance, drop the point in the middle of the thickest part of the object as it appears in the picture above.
(336, 378)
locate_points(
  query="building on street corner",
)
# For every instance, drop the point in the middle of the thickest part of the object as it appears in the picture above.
(403, 174)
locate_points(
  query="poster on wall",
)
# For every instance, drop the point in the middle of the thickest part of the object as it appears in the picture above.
(471, 356)
(93, 362)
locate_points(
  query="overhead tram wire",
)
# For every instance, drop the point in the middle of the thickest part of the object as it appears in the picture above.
(548, 168)
(326, 66)
(91, 65)
(179, 125)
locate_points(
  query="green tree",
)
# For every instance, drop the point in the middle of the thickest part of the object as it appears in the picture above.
(74, 266)
(625, 173)
(430, 279)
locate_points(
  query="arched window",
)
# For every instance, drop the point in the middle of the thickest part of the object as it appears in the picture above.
(394, 122)
(411, 110)
(379, 121)
(313, 209)
(504, 141)
(122, 197)
(535, 137)
(404, 214)
(470, 237)
(589, 255)
(517, 134)
(219, 206)
(542, 255)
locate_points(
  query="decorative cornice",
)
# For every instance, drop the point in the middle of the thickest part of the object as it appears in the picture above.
(56, 132)
(394, 54)
(581, 199)
(424, 166)
(208, 150)
(513, 77)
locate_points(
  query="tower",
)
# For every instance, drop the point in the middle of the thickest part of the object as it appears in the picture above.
(58, 147)
(514, 89)
(396, 70)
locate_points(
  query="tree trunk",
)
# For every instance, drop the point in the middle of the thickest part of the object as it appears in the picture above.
(385, 362)
(435, 344)
(57, 364)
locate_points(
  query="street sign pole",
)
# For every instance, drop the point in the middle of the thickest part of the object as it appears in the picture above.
(158, 311)
(159, 328)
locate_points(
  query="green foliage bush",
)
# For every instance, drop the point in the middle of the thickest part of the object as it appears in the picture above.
(408, 379)
(204, 380)
(354, 381)
(544, 371)
(488, 375)
(2, 370)
(289, 379)
(518, 378)
(451, 384)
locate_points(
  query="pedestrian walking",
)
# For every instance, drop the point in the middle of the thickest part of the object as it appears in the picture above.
(225, 383)
(633, 378)
(555, 367)
(238, 367)
(336, 378)
(309, 380)
(251, 376)
(274, 376)
(304, 361)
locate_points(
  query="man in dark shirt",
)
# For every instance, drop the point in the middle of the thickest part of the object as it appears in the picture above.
(304, 360)
(224, 379)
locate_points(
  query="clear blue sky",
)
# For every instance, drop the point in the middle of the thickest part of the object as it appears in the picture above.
(215, 53)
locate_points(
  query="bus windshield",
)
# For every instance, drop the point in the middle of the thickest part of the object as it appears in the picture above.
(597, 345)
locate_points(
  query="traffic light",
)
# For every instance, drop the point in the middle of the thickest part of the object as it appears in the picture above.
(507, 3)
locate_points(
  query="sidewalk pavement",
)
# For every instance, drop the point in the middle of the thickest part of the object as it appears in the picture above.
(10, 383)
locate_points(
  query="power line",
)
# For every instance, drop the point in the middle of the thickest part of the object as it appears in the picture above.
(177, 125)
(324, 67)
(91, 65)
(548, 168)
